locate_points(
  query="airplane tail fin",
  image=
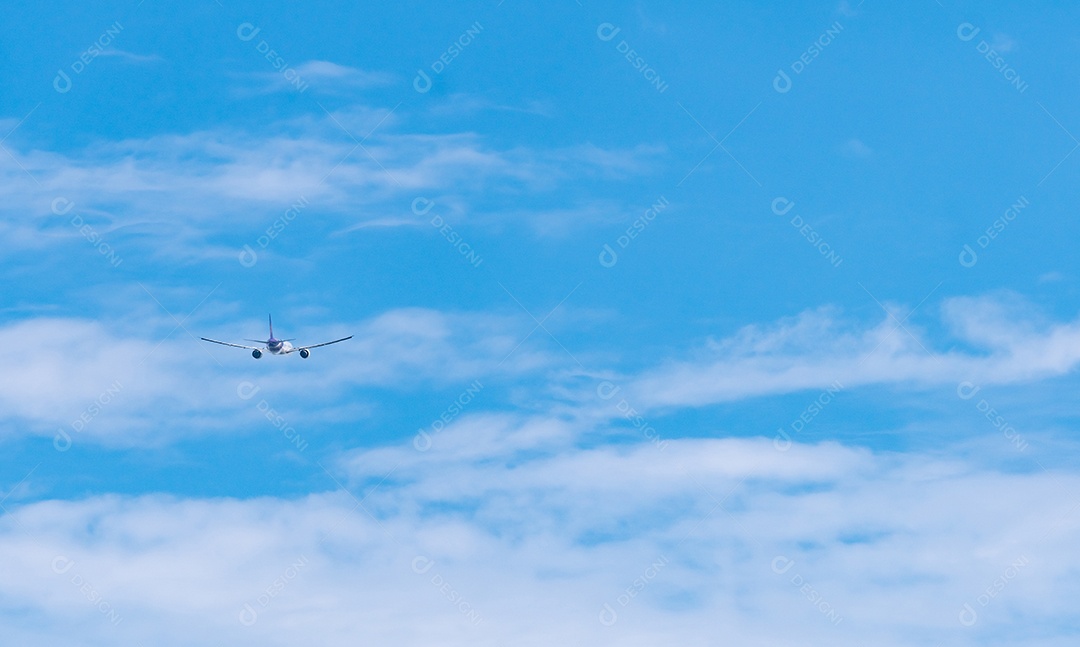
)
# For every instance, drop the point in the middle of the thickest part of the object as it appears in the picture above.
(271, 320)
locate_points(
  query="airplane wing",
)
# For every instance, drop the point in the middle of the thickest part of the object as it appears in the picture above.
(225, 343)
(318, 345)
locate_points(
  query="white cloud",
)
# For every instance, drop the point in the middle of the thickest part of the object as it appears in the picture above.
(818, 348)
(121, 384)
(67, 365)
(178, 191)
(324, 77)
(388, 223)
(129, 56)
(460, 104)
(856, 148)
(846, 9)
(1003, 43)
(506, 531)
(326, 70)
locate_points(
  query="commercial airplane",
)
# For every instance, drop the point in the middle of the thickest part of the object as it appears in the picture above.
(276, 346)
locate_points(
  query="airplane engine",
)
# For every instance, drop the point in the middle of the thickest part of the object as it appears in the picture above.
(305, 353)
(256, 353)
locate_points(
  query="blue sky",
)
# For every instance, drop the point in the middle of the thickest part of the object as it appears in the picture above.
(666, 318)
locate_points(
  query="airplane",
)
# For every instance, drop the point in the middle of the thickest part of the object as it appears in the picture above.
(276, 346)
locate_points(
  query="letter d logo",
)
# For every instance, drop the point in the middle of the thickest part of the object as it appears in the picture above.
(421, 205)
(606, 390)
(246, 390)
(606, 31)
(781, 564)
(62, 441)
(421, 564)
(62, 82)
(68, 205)
(966, 31)
(608, 616)
(248, 257)
(608, 257)
(782, 442)
(246, 31)
(62, 565)
(968, 615)
(248, 615)
(422, 82)
(966, 390)
(782, 82)
(968, 257)
(781, 206)
(422, 441)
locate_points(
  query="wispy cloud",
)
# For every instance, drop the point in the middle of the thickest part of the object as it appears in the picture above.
(460, 104)
(325, 77)
(130, 57)
(192, 187)
(69, 363)
(856, 148)
(819, 347)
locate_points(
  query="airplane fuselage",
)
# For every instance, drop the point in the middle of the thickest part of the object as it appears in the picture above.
(276, 346)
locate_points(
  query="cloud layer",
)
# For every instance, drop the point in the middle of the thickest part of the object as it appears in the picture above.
(507, 530)
(1000, 340)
